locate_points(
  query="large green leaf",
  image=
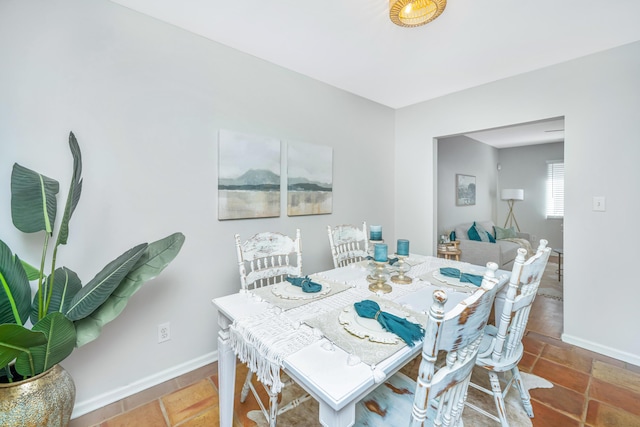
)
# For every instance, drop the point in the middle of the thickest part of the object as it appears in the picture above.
(61, 341)
(96, 292)
(16, 340)
(75, 189)
(32, 272)
(33, 200)
(15, 291)
(154, 259)
(90, 328)
(66, 285)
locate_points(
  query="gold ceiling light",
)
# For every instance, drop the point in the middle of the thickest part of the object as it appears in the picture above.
(413, 13)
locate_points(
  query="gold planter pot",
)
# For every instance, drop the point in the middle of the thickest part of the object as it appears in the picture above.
(45, 400)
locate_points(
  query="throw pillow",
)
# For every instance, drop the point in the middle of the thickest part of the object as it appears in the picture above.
(505, 233)
(478, 233)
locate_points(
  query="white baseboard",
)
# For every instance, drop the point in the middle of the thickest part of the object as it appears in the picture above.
(634, 359)
(84, 407)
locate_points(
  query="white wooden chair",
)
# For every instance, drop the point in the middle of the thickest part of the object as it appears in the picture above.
(349, 244)
(268, 258)
(265, 259)
(501, 348)
(438, 395)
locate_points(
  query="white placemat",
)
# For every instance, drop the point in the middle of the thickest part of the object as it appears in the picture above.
(367, 351)
(267, 293)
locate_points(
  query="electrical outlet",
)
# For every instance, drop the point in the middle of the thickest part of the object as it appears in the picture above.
(164, 332)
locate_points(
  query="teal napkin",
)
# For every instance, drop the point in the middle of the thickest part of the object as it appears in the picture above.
(408, 331)
(464, 277)
(471, 278)
(450, 272)
(305, 283)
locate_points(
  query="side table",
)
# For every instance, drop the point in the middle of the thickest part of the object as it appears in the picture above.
(450, 250)
(560, 252)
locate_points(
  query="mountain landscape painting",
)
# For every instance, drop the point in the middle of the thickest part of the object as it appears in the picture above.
(309, 179)
(248, 176)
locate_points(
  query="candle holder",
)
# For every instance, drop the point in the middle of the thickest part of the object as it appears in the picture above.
(403, 267)
(378, 279)
(372, 245)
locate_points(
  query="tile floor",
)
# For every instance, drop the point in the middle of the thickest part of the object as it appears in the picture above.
(590, 390)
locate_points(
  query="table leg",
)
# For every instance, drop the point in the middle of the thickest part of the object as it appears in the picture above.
(226, 377)
(345, 417)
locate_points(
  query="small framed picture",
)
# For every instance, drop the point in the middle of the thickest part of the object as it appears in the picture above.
(465, 190)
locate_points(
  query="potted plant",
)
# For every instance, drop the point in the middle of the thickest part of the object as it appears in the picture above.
(39, 331)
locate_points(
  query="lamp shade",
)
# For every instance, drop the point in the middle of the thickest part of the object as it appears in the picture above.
(512, 194)
(413, 13)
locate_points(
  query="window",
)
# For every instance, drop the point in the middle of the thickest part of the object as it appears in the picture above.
(555, 189)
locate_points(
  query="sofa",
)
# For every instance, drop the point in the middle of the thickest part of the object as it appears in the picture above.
(503, 251)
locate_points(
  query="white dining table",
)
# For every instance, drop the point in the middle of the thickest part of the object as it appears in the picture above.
(328, 372)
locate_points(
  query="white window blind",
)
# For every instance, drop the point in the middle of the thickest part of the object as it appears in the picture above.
(555, 189)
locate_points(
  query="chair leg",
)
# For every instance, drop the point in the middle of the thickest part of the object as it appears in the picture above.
(293, 404)
(246, 387)
(524, 393)
(273, 408)
(498, 398)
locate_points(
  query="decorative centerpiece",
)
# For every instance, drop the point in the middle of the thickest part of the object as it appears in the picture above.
(39, 331)
(375, 237)
(402, 253)
(380, 274)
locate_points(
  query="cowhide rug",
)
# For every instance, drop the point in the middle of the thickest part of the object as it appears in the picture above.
(307, 414)
(550, 287)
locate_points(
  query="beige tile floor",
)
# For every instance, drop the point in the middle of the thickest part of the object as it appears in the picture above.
(590, 390)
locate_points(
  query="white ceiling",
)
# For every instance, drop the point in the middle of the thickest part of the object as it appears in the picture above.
(541, 132)
(352, 44)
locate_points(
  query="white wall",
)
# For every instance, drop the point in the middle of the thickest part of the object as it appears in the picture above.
(599, 96)
(146, 101)
(463, 155)
(526, 168)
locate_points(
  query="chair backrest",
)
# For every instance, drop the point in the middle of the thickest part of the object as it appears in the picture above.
(349, 244)
(268, 258)
(522, 290)
(441, 391)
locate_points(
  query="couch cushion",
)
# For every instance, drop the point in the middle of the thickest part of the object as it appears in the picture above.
(505, 233)
(462, 230)
(478, 233)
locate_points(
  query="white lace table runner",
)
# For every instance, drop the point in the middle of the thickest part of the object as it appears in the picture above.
(264, 340)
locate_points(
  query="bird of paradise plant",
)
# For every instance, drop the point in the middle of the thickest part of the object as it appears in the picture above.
(39, 331)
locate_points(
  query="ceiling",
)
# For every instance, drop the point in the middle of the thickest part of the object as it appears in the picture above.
(541, 132)
(353, 45)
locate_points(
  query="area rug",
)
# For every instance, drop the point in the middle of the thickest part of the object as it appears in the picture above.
(550, 286)
(307, 413)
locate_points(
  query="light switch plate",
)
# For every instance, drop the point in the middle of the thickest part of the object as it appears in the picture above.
(599, 203)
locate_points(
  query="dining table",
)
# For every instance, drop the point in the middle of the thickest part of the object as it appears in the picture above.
(319, 340)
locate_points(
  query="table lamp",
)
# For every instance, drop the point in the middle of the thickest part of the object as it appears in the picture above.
(511, 195)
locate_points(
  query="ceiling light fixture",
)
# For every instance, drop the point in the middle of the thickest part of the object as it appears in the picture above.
(413, 13)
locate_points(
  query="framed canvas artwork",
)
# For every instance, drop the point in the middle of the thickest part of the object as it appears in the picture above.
(248, 176)
(309, 179)
(465, 190)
